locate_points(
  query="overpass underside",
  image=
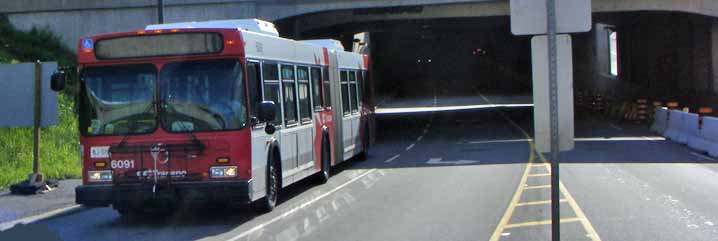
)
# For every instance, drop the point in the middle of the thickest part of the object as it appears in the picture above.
(656, 55)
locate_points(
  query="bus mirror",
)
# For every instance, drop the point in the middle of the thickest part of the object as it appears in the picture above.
(57, 81)
(267, 110)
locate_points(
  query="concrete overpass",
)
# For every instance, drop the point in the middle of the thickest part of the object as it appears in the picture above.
(667, 49)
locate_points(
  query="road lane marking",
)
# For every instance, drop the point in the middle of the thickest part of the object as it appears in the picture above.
(537, 187)
(392, 158)
(437, 161)
(426, 131)
(540, 175)
(297, 208)
(542, 222)
(419, 138)
(409, 147)
(499, 141)
(28, 220)
(572, 202)
(539, 202)
(512, 205)
(703, 156)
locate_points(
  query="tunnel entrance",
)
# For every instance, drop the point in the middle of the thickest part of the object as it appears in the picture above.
(628, 61)
(450, 57)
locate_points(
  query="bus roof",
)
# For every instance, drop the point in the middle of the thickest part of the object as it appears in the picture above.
(252, 25)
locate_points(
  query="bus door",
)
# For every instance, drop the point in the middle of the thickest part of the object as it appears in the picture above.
(288, 141)
(305, 133)
(355, 115)
(347, 125)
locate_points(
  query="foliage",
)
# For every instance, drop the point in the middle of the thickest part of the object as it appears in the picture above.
(59, 148)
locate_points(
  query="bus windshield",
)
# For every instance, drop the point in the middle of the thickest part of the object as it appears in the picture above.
(203, 95)
(118, 100)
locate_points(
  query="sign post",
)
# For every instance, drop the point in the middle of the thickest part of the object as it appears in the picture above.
(23, 86)
(548, 18)
(553, 94)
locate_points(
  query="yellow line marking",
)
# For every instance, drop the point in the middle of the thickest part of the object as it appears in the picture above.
(540, 175)
(517, 196)
(503, 224)
(541, 165)
(537, 187)
(539, 202)
(542, 222)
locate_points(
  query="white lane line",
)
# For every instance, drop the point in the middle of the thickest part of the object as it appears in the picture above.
(409, 147)
(295, 209)
(500, 141)
(7, 225)
(419, 138)
(703, 156)
(426, 130)
(392, 158)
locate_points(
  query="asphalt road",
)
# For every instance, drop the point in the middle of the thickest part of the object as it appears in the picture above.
(463, 174)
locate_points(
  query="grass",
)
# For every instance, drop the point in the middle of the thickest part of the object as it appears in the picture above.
(59, 145)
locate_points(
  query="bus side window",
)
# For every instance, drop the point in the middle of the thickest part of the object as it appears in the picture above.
(316, 79)
(327, 87)
(270, 74)
(255, 89)
(361, 86)
(345, 92)
(354, 94)
(303, 89)
(289, 87)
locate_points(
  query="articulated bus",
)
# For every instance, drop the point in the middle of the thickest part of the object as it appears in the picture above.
(223, 111)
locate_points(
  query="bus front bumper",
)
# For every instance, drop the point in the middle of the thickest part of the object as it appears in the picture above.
(236, 192)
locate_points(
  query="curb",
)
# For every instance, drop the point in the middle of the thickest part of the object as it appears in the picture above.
(46, 215)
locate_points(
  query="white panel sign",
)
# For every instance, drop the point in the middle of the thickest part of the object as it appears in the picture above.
(17, 90)
(539, 63)
(528, 17)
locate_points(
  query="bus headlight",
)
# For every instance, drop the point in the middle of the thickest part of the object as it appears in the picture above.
(99, 176)
(223, 171)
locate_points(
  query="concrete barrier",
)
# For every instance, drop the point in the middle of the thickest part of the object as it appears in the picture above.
(709, 133)
(660, 120)
(673, 129)
(690, 131)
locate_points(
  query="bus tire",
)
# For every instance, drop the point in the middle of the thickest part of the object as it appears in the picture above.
(325, 173)
(273, 185)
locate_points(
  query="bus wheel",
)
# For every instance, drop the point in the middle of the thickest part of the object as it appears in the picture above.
(326, 165)
(269, 201)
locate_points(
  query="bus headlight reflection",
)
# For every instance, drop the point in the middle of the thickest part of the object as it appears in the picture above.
(223, 171)
(99, 176)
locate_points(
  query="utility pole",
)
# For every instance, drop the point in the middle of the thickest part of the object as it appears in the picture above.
(160, 11)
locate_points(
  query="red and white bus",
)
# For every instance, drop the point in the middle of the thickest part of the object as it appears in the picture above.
(222, 111)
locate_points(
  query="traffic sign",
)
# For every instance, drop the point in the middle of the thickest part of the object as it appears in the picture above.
(528, 17)
(564, 74)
